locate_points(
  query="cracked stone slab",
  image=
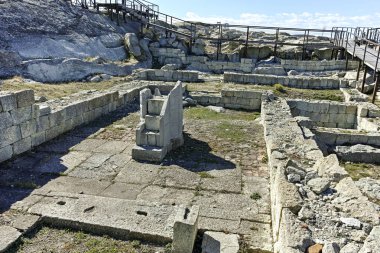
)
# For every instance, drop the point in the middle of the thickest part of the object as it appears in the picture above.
(116, 217)
(75, 185)
(222, 184)
(166, 195)
(123, 191)
(112, 147)
(137, 173)
(174, 176)
(8, 236)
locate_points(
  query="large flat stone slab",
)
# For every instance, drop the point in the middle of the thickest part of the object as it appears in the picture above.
(117, 217)
(8, 236)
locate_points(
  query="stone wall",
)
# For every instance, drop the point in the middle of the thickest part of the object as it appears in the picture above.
(25, 124)
(168, 75)
(296, 165)
(232, 99)
(201, 63)
(326, 113)
(301, 82)
(318, 66)
(337, 137)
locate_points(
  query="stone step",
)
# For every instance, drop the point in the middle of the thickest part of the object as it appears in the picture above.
(148, 153)
(150, 137)
(155, 105)
(152, 122)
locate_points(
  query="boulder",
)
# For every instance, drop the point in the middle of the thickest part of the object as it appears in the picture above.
(329, 167)
(199, 47)
(322, 53)
(350, 248)
(372, 243)
(257, 52)
(132, 44)
(319, 185)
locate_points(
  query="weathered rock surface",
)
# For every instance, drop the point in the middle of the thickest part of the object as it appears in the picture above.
(358, 153)
(369, 187)
(31, 32)
(132, 44)
(372, 243)
(65, 70)
(319, 185)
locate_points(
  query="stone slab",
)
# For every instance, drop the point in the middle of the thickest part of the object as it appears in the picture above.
(217, 242)
(8, 236)
(117, 217)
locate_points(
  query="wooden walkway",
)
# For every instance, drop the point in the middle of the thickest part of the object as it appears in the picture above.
(368, 55)
(361, 43)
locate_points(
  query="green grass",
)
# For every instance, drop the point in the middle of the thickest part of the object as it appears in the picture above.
(231, 132)
(204, 113)
(279, 87)
(361, 170)
(255, 196)
(204, 174)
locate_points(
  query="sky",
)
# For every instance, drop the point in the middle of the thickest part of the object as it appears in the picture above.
(286, 13)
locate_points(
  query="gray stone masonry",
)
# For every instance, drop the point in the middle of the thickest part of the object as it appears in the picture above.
(301, 82)
(25, 124)
(161, 126)
(317, 66)
(168, 75)
(232, 99)
(301, 179)
(326, 113)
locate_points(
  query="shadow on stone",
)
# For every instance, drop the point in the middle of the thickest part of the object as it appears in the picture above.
(195, 155)
(32, 170)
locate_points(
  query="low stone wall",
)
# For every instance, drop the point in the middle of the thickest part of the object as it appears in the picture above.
(326, 113)
(289, 81)
(25, 124)
(318, 66)
(219, 67)
(337, 137)
(297, 165)
(201, 63)
(168, 75)
(232, 99)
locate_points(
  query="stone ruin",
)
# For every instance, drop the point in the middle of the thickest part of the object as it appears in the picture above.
(161, 125)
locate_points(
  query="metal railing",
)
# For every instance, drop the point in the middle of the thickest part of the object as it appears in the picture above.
(350, 37)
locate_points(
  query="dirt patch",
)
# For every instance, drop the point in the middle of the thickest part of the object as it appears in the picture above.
(68, 241)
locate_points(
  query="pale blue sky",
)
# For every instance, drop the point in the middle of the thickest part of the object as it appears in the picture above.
(295, 13)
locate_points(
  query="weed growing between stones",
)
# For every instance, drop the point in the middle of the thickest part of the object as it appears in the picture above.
(255, 196)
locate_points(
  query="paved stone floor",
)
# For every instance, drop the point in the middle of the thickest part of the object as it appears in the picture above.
(222, 168)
